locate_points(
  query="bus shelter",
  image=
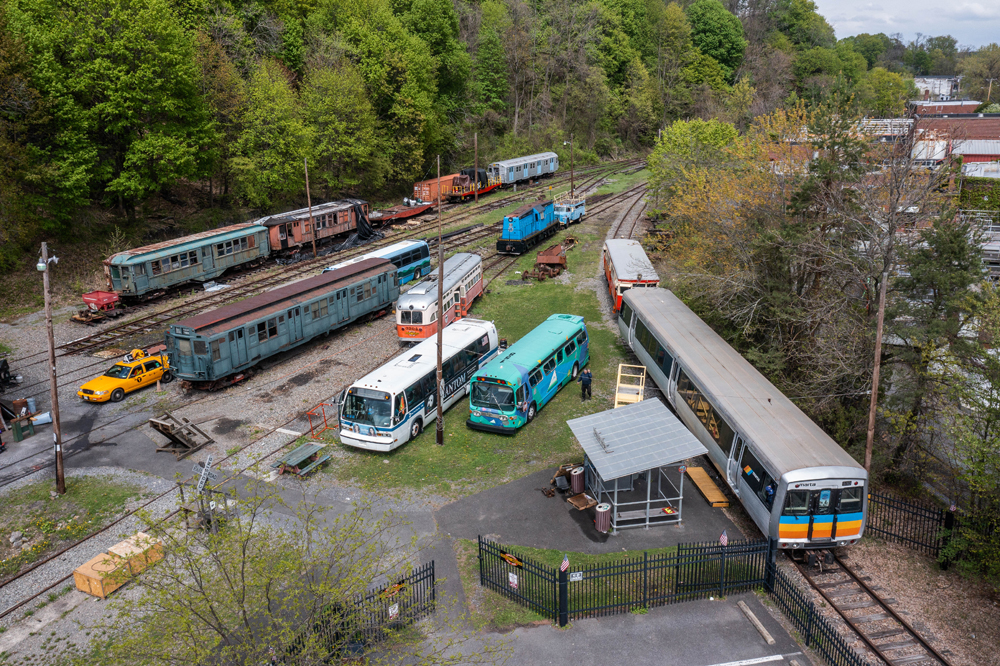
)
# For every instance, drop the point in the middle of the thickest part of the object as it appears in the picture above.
(633, 462)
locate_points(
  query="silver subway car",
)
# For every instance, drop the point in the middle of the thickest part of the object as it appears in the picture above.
(799, 486)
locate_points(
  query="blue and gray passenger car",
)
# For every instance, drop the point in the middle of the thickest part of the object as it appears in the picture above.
(520, 169)
(148, 271)
(220, 347)
(526, 226)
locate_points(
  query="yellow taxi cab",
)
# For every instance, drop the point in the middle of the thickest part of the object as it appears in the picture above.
(138, 370)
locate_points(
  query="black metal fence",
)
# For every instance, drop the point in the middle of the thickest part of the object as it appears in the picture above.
(817, 632)
(914, 524)
(631, 583)
(347, 630)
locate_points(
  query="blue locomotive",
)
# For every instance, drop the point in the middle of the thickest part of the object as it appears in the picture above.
(221, 347)
(526, 226)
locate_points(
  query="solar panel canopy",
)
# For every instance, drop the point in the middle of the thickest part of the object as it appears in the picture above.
(634, 438)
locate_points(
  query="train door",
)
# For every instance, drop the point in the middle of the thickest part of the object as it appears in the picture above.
(139, 278)
(809, 514)
(237, 348)
(733, 464)
(207, 259)
(295, 323)
(343, 310)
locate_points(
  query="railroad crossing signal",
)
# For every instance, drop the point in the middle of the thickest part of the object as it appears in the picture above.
(206, 473)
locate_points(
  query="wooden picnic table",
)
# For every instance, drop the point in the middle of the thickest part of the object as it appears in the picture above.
(294, 460)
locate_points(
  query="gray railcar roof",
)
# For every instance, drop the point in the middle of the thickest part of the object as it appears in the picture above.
(783, 434)
(522, 160)
(425, 292)
(630, 260)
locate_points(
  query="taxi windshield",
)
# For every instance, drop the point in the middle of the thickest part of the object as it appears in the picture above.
(118, 371)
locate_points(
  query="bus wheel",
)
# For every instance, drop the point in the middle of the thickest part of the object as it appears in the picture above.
(532, 410)
(576, 371)
(416, 428)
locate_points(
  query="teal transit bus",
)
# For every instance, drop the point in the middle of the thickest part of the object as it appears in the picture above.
(509, 391)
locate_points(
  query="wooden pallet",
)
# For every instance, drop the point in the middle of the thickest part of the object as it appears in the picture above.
(708, 488)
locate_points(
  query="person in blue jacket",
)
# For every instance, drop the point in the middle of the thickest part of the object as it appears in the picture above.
(585, 379)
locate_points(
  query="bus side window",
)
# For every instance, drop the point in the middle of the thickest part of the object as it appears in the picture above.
(570, 347)
(559, 356)
(535, 377)
(550, 365)
(414, 395)
(581, 337)
(522, 393)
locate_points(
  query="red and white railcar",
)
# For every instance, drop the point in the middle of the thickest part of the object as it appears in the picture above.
(416, 310)
(626, 266)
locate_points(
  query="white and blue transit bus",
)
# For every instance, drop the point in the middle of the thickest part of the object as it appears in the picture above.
(391, 405)
(509, 391)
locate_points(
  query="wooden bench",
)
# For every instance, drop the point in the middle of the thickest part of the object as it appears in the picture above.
(708, 488)
(306, 453)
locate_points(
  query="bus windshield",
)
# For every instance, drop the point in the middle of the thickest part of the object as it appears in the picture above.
(371, 407)
(492, 396)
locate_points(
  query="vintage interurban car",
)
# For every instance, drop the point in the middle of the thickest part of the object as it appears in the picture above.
(136, 371)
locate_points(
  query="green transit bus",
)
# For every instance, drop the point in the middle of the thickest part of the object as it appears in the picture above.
(509, 391)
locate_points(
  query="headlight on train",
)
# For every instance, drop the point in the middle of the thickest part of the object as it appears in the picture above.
(371, 432)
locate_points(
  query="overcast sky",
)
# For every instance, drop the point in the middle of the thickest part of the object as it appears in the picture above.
(971, 22)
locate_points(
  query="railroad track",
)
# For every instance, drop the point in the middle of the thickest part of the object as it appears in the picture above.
(878, 626)
(631, 214)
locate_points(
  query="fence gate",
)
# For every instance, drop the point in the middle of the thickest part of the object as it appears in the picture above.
(707, 568)
(516, 577)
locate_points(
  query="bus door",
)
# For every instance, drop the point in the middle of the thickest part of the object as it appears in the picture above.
(237, 348)
(295, 323)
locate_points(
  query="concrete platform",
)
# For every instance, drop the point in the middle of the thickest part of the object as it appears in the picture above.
(518, 513)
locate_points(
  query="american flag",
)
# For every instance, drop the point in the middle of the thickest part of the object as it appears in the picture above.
(565, 563)
(724, 539)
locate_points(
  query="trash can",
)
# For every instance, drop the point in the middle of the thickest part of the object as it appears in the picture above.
(576, 477)
(20, 407)
(31, 405)
(602, 519)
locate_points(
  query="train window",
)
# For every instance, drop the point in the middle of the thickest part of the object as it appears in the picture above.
(140, 269)
(850, 500)
(155, 267)
(626, 313)
(216, 350)
(752, 471)
(796, 503)
(361, 294)
(272, 327)
(717, 427)
(200, 348)
(183, 347)
(404, 316)
(319, 309)
(368, 290)
(261, 331)
(251, 241)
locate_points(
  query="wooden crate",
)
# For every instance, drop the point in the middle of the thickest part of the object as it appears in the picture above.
(137, 552)
(100, 576)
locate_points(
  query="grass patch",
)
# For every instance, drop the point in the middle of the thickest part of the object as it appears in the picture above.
(47, 524)
(496, 612)
(471, 461)
(621, 182)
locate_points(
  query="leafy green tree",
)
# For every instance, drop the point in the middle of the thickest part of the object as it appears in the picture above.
(436, 23)
(490, 71)
(225, 94)
(399, 74)
(121, 79)
(684, 143)
(926, 318)
(717, 33)
(870, 46)
(883, 94)
(344, 148)
(799, 20)
(268, 155)
(978, 69)
(705, 70)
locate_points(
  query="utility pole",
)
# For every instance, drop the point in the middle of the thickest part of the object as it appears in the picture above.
(572, 186)
(869, 442)
(989, 90)
(475, 164)
(440, 318)
(312, 225)
(43, 266)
